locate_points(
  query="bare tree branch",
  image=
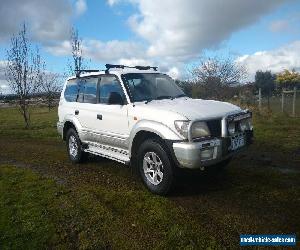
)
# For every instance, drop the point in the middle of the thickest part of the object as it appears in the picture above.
(49, 85)
(77, 55)
(215, 74)
(223, 71)
(22, 71)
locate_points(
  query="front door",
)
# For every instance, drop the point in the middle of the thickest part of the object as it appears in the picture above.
(110, 121)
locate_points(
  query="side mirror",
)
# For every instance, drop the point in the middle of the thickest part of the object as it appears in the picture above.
(115, 98)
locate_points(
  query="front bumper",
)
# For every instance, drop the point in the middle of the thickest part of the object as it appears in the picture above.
(205, 153)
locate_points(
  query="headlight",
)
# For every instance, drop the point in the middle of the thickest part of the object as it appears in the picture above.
(231, 128)
(182, 127)
(200, 129)
(246, 124)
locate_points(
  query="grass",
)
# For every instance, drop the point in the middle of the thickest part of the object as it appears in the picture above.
(45, 202)
(278, 133)
(37, 212)
(43, 123)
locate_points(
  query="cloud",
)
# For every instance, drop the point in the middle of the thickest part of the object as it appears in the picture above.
(119, 52)
(171, 31)
(175, 32)
(62, 48)
(112, 2)
(288, 24)
(80, 7)
(285, 57)
(180, 30)
(135, 61)
(109, 51)
(279, 26)
(4, 88)
(112, 50)
(47, 20)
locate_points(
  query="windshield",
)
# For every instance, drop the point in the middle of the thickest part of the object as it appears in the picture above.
(151, 86)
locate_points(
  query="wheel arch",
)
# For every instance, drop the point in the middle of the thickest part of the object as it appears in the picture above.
(149, 129)
(70, 123)
(139, 138)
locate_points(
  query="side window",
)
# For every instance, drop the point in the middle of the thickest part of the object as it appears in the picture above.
(90, 90)
(80, 90)
(109, 86)
(71, 91)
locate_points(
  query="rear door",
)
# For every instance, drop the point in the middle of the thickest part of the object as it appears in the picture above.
(68, 100)
(87, 107)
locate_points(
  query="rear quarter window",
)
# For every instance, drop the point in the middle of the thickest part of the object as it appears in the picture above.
(71, 91)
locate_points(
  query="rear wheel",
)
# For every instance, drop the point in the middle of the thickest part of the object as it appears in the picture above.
(74, 147)
(155, 167)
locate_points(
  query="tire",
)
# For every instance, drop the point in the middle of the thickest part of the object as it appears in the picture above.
(155, 167)
(74, 147)
(223, 164)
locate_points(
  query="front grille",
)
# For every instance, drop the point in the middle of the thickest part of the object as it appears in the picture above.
(236, 119)
(214, 127)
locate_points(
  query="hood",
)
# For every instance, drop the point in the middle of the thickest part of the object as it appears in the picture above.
(194, 109)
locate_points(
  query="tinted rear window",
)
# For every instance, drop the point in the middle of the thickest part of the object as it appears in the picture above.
(71, 91)
(90, 90)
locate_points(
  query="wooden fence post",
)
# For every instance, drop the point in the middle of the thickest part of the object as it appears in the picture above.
(282, 101)
(294, 101)
(259, 98)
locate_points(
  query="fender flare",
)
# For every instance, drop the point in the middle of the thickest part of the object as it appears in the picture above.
(75, 122)
(160, 129)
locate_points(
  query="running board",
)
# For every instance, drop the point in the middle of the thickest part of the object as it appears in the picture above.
(104, 152)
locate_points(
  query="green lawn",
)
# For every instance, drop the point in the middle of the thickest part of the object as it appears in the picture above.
(37, 212)
(46, 202)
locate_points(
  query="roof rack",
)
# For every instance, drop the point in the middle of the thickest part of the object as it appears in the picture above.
(79, 71)
(120, 66)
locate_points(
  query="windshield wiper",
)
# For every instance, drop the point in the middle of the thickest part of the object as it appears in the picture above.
(159, 98)
(148, 100)
(178, 96)
(163, 97)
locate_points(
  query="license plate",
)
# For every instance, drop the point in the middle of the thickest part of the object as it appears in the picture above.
(237, 142)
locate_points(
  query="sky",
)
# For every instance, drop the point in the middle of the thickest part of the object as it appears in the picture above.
(170, 34)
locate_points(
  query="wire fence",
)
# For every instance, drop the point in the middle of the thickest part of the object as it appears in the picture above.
(288, 102)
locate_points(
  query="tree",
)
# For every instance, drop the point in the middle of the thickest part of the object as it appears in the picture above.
(265, 80)
(23, 71)
(186, 86)
(288, 79)
(77, 56)
(50, 86)
(223, 71)
(216, 74)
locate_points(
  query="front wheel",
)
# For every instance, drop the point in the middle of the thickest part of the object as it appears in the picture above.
(74, 147)
(155, 167)
(223, 164)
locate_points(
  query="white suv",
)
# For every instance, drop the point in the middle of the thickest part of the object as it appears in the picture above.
(138, 116)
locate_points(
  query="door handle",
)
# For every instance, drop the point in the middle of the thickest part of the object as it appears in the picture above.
(76, 112)
(99, 117)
